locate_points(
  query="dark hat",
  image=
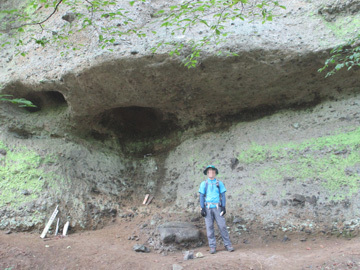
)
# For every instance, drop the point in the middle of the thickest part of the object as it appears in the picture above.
(212, 167)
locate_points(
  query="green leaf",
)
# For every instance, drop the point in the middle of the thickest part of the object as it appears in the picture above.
(4, 44)
(159, 12)
(339, 66)
(20, 101)
(204, 22)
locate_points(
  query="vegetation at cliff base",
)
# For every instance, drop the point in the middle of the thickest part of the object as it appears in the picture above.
(22, 176)
(332, 162)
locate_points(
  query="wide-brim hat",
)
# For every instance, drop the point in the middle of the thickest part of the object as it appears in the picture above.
(212, 167)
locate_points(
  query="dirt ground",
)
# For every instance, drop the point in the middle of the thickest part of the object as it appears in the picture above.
(110, 248)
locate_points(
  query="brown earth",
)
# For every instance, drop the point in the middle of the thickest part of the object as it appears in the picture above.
(110, 248)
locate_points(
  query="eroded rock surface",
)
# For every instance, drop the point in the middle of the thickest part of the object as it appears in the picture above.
(111, 127)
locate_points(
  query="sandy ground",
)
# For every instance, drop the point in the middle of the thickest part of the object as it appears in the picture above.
(109, 248)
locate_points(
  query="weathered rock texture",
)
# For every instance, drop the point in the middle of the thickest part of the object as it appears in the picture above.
(116, 125)
(178, 232)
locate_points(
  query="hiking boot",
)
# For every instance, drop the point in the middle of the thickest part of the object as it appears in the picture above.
(212, 250)
(229, 248)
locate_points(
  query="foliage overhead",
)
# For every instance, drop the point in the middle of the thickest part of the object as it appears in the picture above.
(343, 56)
(112, 19)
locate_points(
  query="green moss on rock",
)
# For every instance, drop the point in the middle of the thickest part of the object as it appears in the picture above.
(23, 177)
(331, 161)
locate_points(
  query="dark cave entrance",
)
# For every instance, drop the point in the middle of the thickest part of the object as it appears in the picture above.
(46, 99)
(133, 123)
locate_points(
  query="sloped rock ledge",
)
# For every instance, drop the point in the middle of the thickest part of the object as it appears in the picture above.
(152, 97)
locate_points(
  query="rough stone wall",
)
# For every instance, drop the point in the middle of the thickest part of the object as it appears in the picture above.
(290, 171)
(118, 125)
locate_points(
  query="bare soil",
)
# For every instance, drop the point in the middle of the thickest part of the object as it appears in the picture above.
(110, 248)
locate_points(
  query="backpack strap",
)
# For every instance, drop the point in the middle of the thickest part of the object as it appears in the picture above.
(218, 186)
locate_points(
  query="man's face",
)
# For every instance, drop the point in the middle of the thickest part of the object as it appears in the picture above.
(211, 173)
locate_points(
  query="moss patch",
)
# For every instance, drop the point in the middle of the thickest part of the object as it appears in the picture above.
(23, 177)
(343, 26)
(332, 161)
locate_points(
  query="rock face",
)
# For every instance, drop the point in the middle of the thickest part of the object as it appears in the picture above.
(110, 127)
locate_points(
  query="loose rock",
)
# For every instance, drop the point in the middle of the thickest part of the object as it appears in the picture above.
(286, 238)
(141, 248)
(178, 232)
(298, 200)
(199, 255)
(239, 220)
(188, 255)
(177, 267)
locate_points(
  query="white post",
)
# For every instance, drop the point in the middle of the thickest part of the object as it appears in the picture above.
(66, 228)
(150, 199)
(47, 227)
(146, 198)
(57, 226)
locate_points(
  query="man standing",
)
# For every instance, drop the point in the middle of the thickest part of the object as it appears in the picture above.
(212, 202)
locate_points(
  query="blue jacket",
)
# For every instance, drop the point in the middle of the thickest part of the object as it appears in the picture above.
(212, 193)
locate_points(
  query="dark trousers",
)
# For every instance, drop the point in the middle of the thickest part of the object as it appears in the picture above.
(213, 214)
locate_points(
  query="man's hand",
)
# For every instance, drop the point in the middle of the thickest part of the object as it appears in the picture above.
(223, 211)
(203, 212)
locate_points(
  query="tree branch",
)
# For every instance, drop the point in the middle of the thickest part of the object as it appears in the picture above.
(34, 23)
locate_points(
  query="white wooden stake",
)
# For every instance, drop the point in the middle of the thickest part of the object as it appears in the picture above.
(146, 198)
(47, 227)
(57, 227)
(150, 199)
(66, 228)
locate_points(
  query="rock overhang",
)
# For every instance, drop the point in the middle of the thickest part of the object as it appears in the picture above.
(220, 86)
(121, 93)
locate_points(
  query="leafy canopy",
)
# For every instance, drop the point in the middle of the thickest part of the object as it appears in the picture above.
(343, 56)
(113, 19)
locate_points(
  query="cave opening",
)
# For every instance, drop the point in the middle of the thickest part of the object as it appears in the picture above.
(46, 99)
(138, 122)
